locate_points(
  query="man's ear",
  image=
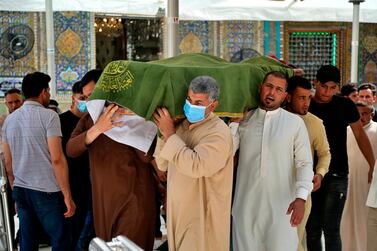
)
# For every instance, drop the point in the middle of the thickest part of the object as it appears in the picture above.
(288, 98)
(214, 105)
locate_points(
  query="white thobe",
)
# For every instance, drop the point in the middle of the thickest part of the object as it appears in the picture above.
(275, 167)
(354, 218)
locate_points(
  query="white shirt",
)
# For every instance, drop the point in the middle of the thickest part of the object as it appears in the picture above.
(275, 167)
(372, 195)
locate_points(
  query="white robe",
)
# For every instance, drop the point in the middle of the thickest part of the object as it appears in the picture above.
(275, 167)
(354, 220)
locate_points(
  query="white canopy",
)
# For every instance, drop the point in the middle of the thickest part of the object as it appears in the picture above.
(126, 7)
(274, 10)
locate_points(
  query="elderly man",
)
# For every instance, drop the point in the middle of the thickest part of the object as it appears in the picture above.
(13, 100)
(298, 101)
(367, 94)
(274, 176)
(354, 217)
(198, 156)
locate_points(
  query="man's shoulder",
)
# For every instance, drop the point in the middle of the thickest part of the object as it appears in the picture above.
(290, 116)
(341, 99)
(312, 119)
(66, 115)
(218, 122)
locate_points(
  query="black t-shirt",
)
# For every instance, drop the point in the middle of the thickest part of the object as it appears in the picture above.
(336, 116)
(79, 178)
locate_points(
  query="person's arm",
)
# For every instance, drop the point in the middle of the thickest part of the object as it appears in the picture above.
(322, 150)
(60, 167)
(204, 160)
(8, 163)
(304, 174)
(105, 122)
(161, 163)
(82, 137)
(364, 145)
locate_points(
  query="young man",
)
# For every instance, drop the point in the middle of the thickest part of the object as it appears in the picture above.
(79, 177)
(298, 101)
(327, 202)
(198, 156)
(350, 91)
(36, 166)
(274, 175)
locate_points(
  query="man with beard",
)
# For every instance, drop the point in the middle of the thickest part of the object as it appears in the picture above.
(274, 176)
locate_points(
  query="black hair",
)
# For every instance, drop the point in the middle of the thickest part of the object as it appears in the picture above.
(77, 88)
(12, 91)
(34, 83)
(328, 73)
(92, 75)
(366, 86)
(347, 89)
(277, 74)
(54, 102)
(298, 81)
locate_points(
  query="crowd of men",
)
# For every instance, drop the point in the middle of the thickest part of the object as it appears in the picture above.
(299, 159)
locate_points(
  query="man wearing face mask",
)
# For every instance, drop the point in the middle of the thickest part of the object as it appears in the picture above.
(198, 156)
(79, 179)
(82, 229)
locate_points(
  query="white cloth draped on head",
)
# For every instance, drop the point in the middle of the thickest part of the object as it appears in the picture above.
(135, 132)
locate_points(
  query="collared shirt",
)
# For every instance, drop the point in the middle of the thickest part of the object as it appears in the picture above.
(26, 131)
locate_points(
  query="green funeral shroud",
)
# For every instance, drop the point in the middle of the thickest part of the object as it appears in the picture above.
(144, 86)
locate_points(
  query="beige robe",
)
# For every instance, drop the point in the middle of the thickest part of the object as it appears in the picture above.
(199, 160)
(353, 228)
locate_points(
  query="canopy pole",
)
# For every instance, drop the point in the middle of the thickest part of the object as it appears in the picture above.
(172, 24)
(50, 46)
(355, 40)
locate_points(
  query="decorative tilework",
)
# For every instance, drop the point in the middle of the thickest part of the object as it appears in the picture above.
(20, 67)
(237, 35)
(195, 30)
(368, 53)
(72, 60)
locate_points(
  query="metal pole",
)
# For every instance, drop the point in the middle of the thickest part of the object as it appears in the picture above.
(5, 206)
(172, 24)
(355, 40)
(50, 46)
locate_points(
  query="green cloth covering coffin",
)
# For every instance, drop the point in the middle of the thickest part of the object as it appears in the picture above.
(144, 86)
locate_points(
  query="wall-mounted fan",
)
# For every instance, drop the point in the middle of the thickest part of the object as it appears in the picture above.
(16, 42)
(244, 54)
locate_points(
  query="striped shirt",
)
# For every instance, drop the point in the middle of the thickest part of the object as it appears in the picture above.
(26, 131)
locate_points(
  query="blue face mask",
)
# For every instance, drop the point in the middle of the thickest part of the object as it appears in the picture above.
(82, 106)
(194, 113)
